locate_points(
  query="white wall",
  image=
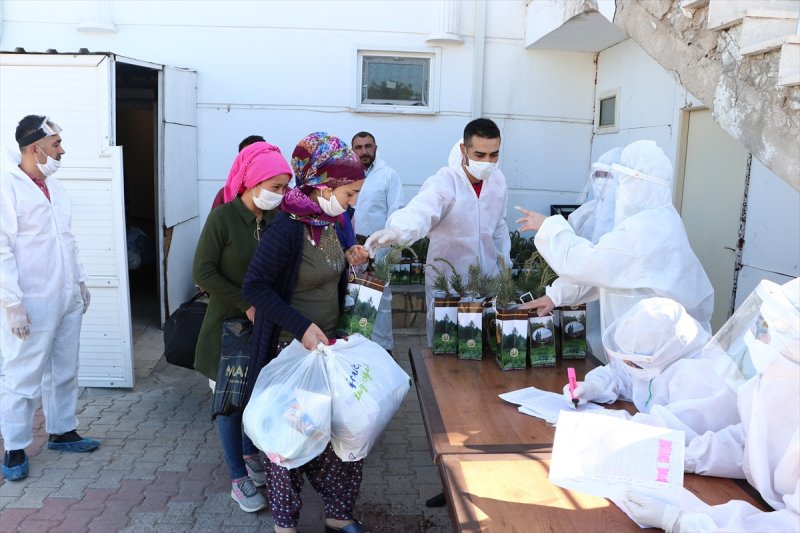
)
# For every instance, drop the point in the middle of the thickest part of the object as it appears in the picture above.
(284, 69)
(650, 105)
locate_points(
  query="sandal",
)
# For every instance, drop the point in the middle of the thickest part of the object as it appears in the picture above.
(355, 527)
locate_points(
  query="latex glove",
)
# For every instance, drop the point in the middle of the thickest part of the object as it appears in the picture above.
(86, 296)
(381, 239)
(313, 336)
(568, 396)
(649, 511)
(585, 391)
(251, 314)
(19, 321)
(532, 220)
(544, 305)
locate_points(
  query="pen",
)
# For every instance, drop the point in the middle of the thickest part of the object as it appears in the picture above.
(572, 385)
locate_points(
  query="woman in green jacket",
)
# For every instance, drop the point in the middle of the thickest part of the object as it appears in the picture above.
(254, 188)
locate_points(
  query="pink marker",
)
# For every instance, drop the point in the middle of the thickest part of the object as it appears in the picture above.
(572, 384)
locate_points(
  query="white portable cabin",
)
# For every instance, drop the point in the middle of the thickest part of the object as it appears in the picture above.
(91, 97)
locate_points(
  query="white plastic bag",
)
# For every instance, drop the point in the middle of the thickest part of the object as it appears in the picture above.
(288, 416)
(368, 387)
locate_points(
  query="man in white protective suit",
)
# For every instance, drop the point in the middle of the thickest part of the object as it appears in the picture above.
(647, 253)
(380, 196)
(763, 446)
(659, 361)
(462, 209)
(44, 295)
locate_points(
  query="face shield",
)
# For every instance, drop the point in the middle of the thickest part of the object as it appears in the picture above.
(637, 191)
(652, 335)
(45, 129)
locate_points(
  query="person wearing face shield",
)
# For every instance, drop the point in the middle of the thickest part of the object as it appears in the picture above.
(645, 254)
(763, 445)
(658, 360)
(462, 209)
(254, 189)
(44, 296)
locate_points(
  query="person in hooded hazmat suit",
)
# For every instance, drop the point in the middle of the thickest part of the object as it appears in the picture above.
(462, 209)
(593, 219)
(764, 446)
(657, 360)
(647, 253)
(44, 295)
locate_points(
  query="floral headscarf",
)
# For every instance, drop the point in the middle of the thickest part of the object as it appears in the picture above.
(258, 162)
(319, 161)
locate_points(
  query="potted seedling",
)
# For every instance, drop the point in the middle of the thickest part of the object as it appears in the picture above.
(445, 313)
(470, 315)
(536, 275)
(512, 324)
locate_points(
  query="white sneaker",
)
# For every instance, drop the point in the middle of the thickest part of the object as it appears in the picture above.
(255, 469)
(245, 493)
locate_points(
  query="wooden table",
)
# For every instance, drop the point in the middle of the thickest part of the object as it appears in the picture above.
(494, 460)
(508, 493)
(463, 413)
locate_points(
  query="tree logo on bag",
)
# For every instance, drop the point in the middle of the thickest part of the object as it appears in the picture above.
(446, 337)
(471, 343)
(514, 352)
(363, 322)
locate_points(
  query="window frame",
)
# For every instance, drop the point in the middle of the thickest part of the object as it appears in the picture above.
(431, 54)
(612, 128)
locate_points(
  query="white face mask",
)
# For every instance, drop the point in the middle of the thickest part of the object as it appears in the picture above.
(267, 200)
(49, 167)
(330, 206)
(481, 170)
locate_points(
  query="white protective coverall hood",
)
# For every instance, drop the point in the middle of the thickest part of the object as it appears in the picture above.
(676, 376)
(646, 254)
(765, 446)
(39, 268)
(591, 221)
(462, 227)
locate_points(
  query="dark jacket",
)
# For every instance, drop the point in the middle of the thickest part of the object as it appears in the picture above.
(269, 284)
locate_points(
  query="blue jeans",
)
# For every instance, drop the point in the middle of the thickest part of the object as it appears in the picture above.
(234, 444)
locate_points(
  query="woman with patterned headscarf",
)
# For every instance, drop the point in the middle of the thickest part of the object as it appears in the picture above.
(297, 281)
(255, 186)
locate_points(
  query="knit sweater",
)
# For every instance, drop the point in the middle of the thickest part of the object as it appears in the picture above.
(269, 285)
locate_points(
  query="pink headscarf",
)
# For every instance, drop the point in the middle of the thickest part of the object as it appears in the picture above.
(258, 162)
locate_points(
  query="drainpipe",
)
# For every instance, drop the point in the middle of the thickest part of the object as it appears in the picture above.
(477, 58)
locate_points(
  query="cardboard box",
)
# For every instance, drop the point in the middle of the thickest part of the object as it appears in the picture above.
(573, 332)
(470, 329)
(445, 324)
(512, 338)
(542, 339)
(362, 300)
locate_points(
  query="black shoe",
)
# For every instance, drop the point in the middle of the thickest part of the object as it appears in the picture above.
(15, 465)
(72, 442)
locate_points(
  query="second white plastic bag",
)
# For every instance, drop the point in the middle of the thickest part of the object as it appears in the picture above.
(368, 387)
(288, 416)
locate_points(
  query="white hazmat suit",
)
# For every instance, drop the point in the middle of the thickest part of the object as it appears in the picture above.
(658, 361)
(593, 219)
(764, 446)
(647, 253)
(39, 269)
(462, 227)
(380, 196)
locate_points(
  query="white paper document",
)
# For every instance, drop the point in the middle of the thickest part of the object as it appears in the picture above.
(607, 457)
(543, 404)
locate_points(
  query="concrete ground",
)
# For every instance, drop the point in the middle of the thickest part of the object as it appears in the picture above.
(160, 467)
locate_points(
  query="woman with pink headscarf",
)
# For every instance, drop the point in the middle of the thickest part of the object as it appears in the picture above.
(255, 187)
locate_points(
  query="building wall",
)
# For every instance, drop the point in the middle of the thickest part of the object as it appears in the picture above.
(650, 106)
(285, 69)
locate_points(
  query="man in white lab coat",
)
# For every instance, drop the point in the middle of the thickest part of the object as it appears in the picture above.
(43, 294)
(380, 196)
(461, 208)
